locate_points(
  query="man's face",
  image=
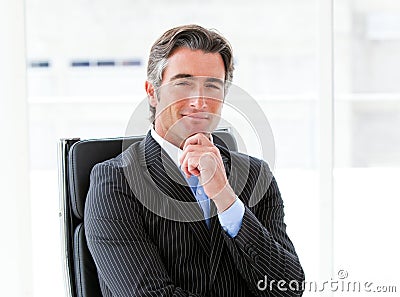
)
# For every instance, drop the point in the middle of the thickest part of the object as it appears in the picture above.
(191, 95)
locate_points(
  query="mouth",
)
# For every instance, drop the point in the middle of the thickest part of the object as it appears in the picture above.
(197, 115)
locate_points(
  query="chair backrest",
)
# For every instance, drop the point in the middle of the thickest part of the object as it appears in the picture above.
(76, 160)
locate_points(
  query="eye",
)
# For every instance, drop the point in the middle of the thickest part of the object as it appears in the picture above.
(213, 86)
(182, 82)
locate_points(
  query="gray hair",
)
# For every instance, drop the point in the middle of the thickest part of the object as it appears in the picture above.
(189, 36)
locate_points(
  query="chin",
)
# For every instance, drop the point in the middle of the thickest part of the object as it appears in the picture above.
(196, 127)
(187, 126)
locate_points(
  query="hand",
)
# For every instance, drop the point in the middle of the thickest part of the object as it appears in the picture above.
(202, 159)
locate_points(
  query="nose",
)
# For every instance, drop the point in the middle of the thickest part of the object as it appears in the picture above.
(198, 100)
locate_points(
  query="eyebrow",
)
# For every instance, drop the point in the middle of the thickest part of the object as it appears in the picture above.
(181, 75)
(184, 75)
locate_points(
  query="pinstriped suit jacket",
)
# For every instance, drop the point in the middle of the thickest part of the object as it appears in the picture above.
(145, 244)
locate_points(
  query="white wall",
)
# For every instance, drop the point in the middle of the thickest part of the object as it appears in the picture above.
(15, 228)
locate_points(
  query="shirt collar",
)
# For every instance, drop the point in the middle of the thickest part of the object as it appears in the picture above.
(173, 151)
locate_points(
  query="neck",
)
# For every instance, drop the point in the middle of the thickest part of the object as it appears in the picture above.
(170, 137)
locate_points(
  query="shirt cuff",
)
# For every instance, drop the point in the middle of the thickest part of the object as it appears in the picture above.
(231, 218)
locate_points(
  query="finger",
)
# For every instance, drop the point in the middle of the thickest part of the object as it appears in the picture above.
(193, 166)
(198, 139)
(192, 149)
(190, 164)
(184, 168)
(208, 166)
(195, 143)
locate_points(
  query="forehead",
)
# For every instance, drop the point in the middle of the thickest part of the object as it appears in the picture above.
(185, 61)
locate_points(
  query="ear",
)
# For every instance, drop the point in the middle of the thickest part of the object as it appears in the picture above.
(151, 94)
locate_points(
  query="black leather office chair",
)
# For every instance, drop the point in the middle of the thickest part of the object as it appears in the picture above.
(76, 160)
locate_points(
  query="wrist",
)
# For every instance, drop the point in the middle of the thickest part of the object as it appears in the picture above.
(225, 199)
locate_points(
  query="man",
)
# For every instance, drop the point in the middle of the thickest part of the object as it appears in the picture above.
(171, 215)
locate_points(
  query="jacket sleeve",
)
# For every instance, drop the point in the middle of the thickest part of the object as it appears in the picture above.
(126, 259)
(262, 250)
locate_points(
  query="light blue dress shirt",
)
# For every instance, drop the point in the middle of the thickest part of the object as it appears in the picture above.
(201, 197)
(230, 219)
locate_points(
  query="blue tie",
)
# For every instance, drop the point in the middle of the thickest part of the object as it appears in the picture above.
(201, 197)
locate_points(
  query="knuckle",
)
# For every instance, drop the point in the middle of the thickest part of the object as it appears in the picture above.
(215, 150)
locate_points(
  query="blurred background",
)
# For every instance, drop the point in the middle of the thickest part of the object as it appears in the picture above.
(77, 69)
